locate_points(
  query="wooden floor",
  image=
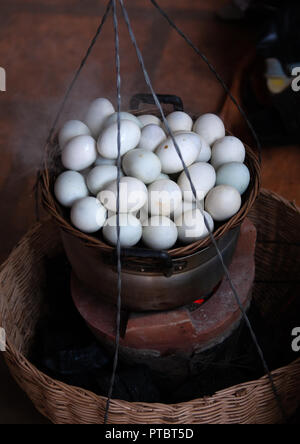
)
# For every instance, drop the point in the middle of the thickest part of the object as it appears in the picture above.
(41, 45)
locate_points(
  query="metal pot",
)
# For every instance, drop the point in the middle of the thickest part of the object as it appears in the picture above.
(151, 280)
(156, 281)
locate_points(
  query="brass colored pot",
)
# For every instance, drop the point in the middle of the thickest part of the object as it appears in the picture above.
(156, 281)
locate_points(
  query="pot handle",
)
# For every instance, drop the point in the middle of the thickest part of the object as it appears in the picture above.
(142, 253)
(167, 99)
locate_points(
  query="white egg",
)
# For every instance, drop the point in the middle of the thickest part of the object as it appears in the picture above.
(197, 140)
(164, 196)
(133, 195)
(123, 116)
(223, 202)
(88, 215)
(69, 187)
(130, 230)
(179, 121)
(142, 164)
(203, 177)
(152, 136)
(209, 220)
(162, 176)
(205, 151)
(71, 129)
(100, 176)
(160, 233)
(79, 153)
(184, 207)
(235, 174)
(102, 161)
(170, 160)
(98, 112)
(210, 127)
(191, 226)
(228, 149)
(148, 119)
(108, 140)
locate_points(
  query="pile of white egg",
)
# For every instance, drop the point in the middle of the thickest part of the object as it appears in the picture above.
(156, 202)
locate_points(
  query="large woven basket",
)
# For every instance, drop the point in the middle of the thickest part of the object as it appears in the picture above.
(22, 280)
(53, 167)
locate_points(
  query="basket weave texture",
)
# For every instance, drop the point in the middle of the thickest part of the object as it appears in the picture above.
(53, 167)
(22, 280)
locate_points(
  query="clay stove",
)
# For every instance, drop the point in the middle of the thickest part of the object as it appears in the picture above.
(173, 340)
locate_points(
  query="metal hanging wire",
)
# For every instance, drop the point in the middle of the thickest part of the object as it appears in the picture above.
(226, 271)
(119, 263)
(65, 99)
(215, 73)
(78, 72)
(112, 5)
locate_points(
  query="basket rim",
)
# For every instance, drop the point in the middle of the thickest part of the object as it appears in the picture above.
(53, 208)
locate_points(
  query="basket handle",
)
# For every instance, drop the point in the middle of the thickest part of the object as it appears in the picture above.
(163, 257)
(167, 99)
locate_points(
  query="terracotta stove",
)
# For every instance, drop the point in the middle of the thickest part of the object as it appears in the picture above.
(173, 340)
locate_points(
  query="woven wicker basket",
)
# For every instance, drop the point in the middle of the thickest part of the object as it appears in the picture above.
(22, 280)
(53, 167)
